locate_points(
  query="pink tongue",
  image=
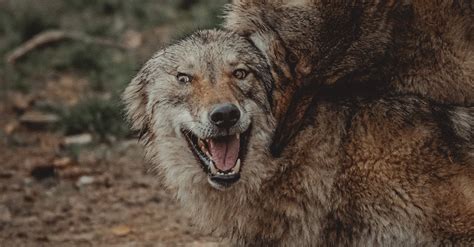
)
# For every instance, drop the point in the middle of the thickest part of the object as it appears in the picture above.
(224, 152)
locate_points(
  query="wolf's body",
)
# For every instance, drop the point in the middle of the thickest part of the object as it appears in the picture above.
(378, 171)
(365, 48)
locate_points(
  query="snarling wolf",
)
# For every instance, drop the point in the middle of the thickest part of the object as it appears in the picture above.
(366, 48)
(388, 170)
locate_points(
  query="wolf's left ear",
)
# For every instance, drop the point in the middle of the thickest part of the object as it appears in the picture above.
(135, 99)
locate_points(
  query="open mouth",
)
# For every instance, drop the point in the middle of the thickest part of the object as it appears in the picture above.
(221, 157)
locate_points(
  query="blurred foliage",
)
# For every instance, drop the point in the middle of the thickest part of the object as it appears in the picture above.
(107, 69)
(103, 117)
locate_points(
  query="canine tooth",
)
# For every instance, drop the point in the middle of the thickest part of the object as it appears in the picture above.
(236, 167)
(238, 136)
(213, 167)
(201, 144)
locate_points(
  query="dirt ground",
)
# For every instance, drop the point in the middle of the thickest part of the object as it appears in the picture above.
(69, 173)
(100, 195)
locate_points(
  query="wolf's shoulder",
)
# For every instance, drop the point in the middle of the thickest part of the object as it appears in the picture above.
(395, 120)
(409, 162)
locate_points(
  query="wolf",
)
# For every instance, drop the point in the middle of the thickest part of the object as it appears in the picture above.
(388, 170)
(365, 48)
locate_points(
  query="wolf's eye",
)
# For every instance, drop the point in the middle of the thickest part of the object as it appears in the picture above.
(183, 78)
(240, 74)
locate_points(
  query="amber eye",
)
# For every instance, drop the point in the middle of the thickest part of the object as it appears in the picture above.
(240, 74)
(183, 78)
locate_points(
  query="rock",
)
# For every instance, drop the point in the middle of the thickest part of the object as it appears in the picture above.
(38, 120)
(85, 180)
(81, 139)
(5, 214)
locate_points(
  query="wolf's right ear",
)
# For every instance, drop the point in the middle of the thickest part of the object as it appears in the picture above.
(135, 99)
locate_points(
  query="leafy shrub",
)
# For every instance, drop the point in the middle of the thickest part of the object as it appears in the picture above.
(103, 117)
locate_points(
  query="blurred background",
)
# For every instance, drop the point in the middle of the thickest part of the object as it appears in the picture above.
(71, 172)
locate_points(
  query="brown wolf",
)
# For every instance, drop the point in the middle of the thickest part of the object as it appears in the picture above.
(363, 171)
(365, 48)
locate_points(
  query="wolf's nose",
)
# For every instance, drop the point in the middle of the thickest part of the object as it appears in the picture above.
(225, 115)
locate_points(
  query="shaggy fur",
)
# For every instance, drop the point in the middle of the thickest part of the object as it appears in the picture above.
(359, 48)
(362, 171)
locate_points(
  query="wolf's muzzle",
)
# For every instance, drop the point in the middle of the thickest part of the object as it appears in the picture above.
(224, 115)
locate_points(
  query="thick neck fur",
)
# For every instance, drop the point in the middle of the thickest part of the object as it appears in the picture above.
(275, 197)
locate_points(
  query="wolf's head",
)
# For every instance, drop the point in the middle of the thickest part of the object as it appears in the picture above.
(203, 109)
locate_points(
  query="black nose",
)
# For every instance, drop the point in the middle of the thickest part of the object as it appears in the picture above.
(225, 115)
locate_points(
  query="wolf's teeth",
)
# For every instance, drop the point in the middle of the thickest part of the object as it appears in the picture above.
(238, 136)
(213, 167)
(200, 144)
(236, 167)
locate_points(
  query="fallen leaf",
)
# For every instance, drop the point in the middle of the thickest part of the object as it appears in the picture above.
(121, 230)
(20, 102)
(62, 162)
(10, 127)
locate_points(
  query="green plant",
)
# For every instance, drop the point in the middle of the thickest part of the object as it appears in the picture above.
(107, 69)
(102, 117)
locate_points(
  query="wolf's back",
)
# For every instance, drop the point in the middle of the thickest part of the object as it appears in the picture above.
(362, 48)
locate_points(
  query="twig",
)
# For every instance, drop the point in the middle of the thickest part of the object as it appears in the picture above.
(52, 36)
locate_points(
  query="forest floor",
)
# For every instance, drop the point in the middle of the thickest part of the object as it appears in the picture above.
(94, 195)
(71, 172)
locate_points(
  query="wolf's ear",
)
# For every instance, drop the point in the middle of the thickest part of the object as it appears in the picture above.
(290, 100)
(135, 99)
(276, 55)
(289, 104)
